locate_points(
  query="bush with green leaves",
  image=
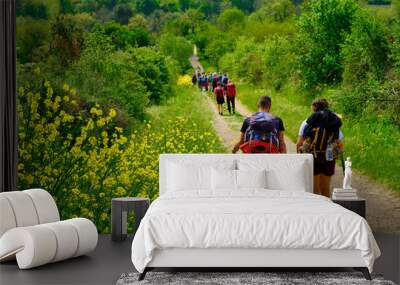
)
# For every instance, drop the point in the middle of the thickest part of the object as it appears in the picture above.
(279, 59)
(231, 19)
(218, 45)
(275, 10)
(365, 52)
(105, 75)
(245, 62)
(151, 65)
(123, 36)
(323, 28)
(32, 40)
(122, 13)
(176, 47)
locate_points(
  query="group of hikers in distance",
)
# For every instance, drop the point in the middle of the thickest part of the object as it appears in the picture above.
(263, 132)
(221, 85)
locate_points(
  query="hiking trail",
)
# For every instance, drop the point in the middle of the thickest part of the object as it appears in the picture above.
(382, 205)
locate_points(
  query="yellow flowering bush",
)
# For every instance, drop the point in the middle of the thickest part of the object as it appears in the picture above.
(184, 80)
(83, 158)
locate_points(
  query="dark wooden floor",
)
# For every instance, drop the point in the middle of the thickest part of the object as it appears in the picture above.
(110, 260)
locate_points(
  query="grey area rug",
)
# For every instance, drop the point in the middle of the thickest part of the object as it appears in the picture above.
(243, 278)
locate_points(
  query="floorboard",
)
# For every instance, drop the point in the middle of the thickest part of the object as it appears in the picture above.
(111, 259)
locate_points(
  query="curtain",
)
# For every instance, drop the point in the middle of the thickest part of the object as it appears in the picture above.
(8, 112)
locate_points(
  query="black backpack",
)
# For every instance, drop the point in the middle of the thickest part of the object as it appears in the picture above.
(322, 129)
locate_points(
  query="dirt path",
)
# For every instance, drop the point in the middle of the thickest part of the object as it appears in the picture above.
(383, 206)
(225, 133)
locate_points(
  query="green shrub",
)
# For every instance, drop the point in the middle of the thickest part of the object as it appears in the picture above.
(124, 36)
(152, 67)
(231, 19)
(322, 31)
(106, 76)
(279, 60)
(176, 47)
(246, 61)
(32, 39)
(365, 52)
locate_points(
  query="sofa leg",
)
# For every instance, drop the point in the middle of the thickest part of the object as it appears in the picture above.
(364, 271)
(143, 274)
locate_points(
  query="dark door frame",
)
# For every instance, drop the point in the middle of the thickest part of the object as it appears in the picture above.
(8, 97)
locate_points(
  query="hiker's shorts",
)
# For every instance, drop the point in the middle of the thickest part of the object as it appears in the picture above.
(326, 168)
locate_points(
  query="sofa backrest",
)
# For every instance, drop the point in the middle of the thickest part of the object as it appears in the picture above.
(286, 164)
(26, 208)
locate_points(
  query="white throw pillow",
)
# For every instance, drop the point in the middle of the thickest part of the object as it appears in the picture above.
(184, 178)
(251, 178)
(290, 175)
(223, 179)
(293, 180)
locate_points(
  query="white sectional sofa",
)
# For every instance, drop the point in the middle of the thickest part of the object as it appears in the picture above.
(31, 231)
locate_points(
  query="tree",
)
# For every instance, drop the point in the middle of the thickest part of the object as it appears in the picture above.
(123, 36)
(122, 13)
(178, 48)
(35, 10)
(67, 40)
(104, 75)
(244, 5)
(66, 7)
(147, 6)
(277, 10)
(169, 5)
(218, 46)
(138, 21)
(366, 50)
(231, 17)
(32, 35)
(185, 4)
(323, 29)
(151, 65)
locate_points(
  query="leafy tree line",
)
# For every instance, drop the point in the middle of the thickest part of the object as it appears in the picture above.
(338, 46)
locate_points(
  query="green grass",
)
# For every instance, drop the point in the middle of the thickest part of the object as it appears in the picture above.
(372, 142)
(190, 105)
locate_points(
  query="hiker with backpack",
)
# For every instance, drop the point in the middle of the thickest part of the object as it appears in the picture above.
(194, 79)
(262, 132)
(219, 97)
(230, 96)
(215, 81)
(224, 81)
(205, 82)
(320, 135)
(200, 81)
(210, 82)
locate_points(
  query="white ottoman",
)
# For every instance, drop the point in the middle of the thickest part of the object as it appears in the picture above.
(31, 232)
